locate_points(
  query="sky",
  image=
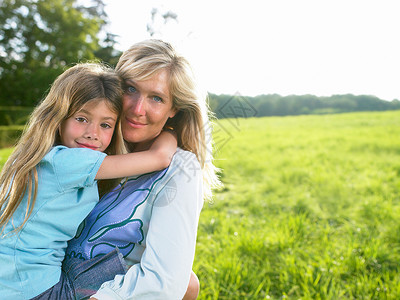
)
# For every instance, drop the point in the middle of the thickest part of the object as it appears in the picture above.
(286, 47)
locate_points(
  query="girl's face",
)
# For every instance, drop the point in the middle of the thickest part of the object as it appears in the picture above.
(91, 127)
(147, 105)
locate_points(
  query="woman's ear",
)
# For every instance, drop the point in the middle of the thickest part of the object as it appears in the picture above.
(173, 113)
(172, 119)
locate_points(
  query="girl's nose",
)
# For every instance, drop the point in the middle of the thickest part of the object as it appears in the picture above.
(92, 132)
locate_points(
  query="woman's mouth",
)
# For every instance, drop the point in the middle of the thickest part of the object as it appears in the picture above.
(135, 124)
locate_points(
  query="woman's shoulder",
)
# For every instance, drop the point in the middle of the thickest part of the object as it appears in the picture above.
(184, 154)
(184, 167)
(184, 163)
(184, 158)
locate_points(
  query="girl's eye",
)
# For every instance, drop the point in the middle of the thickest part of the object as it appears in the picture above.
(106, 126)
(157, 99)
(80, 119)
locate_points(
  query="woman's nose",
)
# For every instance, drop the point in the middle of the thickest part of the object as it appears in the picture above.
(139, 106)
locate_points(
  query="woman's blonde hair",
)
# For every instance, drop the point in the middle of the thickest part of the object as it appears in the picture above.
(74, 88)
(191, 122)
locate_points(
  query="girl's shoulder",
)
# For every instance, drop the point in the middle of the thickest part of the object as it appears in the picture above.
(63, 151)
(65, 157)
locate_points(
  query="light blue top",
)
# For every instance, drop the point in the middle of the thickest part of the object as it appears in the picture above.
(153, 220)
(30, 261)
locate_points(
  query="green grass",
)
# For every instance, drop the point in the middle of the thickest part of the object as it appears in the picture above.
(4, 153)
(310, 209)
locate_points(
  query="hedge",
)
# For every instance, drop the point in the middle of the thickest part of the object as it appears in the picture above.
(14, 115)
(9, 135)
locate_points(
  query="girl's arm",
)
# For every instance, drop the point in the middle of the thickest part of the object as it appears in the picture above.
(156, 158)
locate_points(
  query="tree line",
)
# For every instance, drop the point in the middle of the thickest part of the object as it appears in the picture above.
(39, 39)
(237, 106)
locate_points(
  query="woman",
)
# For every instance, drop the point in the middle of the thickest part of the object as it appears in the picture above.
(152, 219)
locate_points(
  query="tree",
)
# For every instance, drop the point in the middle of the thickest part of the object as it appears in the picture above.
(107, 53)
(40, 38)
(158, 20)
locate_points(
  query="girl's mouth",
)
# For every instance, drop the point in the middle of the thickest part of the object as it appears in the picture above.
(81, 145)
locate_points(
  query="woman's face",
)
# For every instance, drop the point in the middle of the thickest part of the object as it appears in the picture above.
(147, 105)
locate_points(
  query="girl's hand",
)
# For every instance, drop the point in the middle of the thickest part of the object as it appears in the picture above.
(164, 146)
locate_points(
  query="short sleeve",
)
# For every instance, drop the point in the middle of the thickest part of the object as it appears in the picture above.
(74, 167)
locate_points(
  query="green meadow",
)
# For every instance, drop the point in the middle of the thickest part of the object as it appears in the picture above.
(309, 209)
(4, 153)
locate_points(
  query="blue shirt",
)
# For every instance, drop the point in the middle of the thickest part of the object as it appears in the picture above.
(31, 259)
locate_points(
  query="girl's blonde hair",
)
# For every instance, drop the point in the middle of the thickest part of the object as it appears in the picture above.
(74, 88)
(191, 122)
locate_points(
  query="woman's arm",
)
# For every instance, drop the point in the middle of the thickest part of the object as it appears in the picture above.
(165, 267)
(158, 157)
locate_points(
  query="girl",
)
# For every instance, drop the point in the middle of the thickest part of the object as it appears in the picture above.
(48, 185)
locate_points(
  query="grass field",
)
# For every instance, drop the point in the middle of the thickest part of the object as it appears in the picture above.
(4, 153)
(310, 209)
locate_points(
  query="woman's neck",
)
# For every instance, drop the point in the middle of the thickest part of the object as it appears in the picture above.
(142, 146)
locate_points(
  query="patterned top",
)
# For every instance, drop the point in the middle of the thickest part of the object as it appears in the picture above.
(153, 220)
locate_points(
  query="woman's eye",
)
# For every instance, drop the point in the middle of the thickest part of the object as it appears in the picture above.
(157, 99)
(131, 89)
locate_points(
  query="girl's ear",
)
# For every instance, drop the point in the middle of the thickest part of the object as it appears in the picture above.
(58, 135)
